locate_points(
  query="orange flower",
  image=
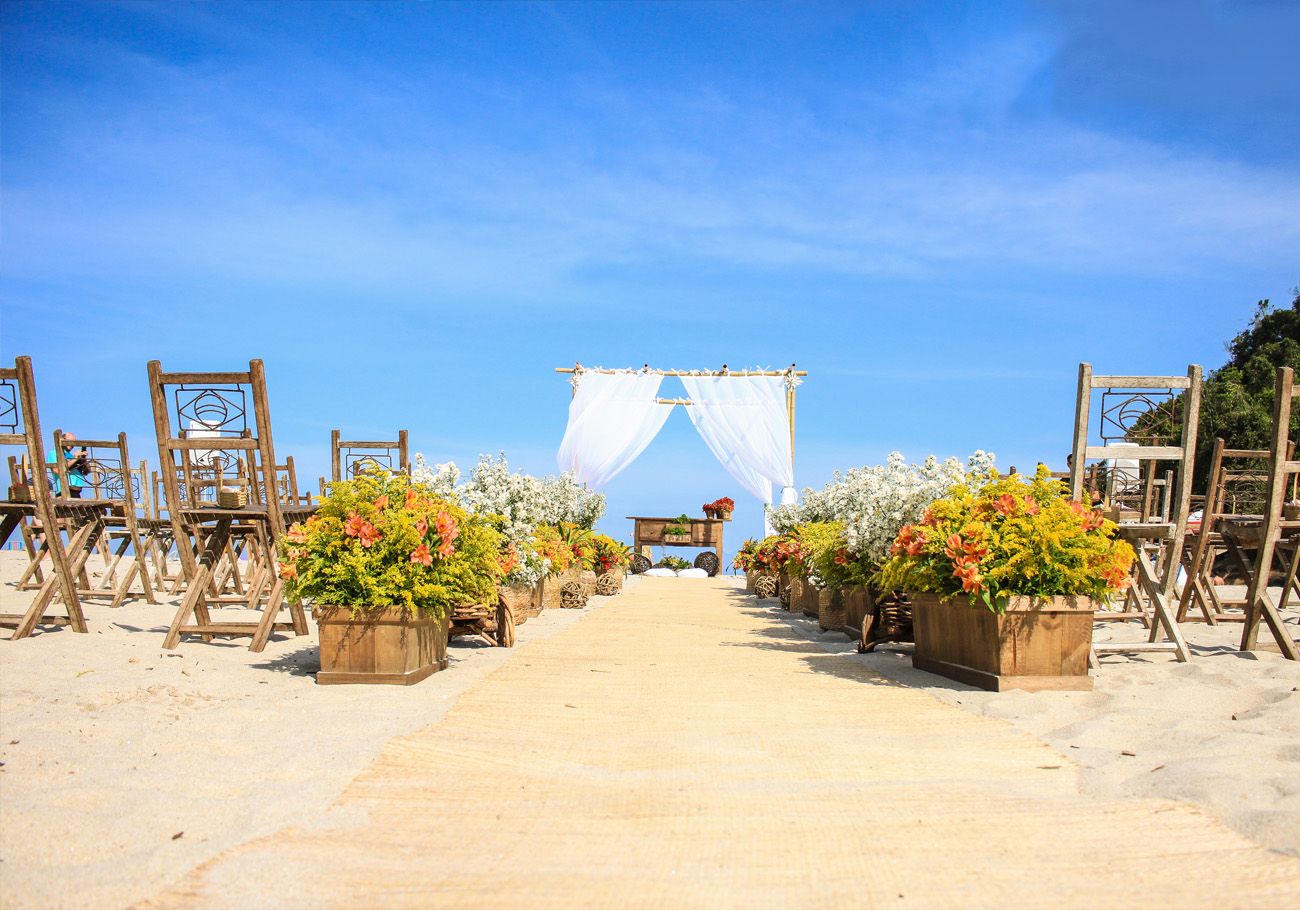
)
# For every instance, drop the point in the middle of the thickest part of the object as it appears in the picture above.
(422, 526)
(927, 517)
(382, 502)
(354, 525)
(1093, 520)
(1031, 505)
(288, 570)
(422, 555)
(447, 532)
(411, 499)
(1006, 504)
(296, 534)
(369, 536)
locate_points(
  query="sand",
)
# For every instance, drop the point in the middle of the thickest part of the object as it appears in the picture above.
(113, 747)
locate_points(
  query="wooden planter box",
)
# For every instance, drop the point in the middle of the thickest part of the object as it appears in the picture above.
(677, 538)
(388, 647)
(813, 599)
(1036, 644)
(794, 603)
(857, 606)
(535, 604)
(550, 598)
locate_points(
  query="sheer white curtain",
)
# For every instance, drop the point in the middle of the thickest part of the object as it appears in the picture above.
(744, 423)
(612, 418)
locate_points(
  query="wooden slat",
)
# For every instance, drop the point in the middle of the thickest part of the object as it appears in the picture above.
(1141, 453)
(1141, 382)
(200, 378)
(364, 444)
(213, 443)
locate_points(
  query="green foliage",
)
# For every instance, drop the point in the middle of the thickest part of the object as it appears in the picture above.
(610, 555)
(676, 563)
(993, 537)
(679, 525)
(1237, 398)
(822, 542)
(382, 541)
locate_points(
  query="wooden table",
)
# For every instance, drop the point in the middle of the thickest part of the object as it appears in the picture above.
(648, 532)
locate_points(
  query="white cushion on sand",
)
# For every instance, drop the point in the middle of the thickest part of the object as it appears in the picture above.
(660, 573)
(692, 573)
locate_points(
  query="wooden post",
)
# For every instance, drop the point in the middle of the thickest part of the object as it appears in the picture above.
(336, 470)
(1081, 415)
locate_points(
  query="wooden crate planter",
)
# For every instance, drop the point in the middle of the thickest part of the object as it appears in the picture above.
(385, 647)
(813, 599)
(1036, 644)
(857, 606)
(551, 584)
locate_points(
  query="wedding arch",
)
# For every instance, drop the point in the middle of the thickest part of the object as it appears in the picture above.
(746, 418)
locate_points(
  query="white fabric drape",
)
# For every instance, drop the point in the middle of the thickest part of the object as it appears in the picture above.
(744, 423)
(612, 418)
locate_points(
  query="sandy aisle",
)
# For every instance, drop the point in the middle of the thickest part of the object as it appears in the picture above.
(1221, 731)
(686, 747)
(110, 746)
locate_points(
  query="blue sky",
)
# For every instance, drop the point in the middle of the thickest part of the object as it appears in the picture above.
(413, 213)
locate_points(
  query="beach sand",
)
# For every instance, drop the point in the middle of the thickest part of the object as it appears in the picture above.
(126, 766)
(1221, 731)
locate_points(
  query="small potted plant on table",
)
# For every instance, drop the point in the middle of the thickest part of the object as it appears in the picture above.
(720, 508)
(678, 530)
(1004, 575)
(384, 562)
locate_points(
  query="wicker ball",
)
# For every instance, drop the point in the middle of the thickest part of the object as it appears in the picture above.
(608, 584)
(573, 596)
(640, 564)
(765, 586)
(708, 561)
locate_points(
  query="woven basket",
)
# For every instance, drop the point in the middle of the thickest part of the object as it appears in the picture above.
(609, 583)
(750, 577)
(587, 578)
(232, 499)
(833, 611)
(783, 589)
(550, 599)
(891, 620)
(765, 586)
(519, 600)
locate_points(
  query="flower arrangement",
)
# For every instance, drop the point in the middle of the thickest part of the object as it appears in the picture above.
(611, 555)
(381, 540)
(720, 506)
(779, 553)
(581, 543)
(553, 549)
(993, 537)
(875, 502)
(746, 559)
(676, 563)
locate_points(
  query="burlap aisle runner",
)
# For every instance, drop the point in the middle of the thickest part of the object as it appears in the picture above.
(680, 748)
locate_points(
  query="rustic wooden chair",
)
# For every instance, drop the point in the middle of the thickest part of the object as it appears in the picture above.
(1136, 413)
(33, 500)
(112, 480)
(1272, 531)
(219, 442)
(1235, 487)
(348, 457)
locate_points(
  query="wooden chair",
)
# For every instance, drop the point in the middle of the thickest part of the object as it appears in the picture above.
(1272, 531)
(112, 480)
(1129, 405)
(347, 457)
(18, 409)
(1235, 487)
(219, 442)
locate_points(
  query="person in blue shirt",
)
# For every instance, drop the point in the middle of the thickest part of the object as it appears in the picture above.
(77, 465)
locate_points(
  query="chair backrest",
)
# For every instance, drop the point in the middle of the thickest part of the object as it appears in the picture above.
(214, 430)
(110, 476)
(1283, 465)
(350, 456)
(20, 425)
(1138, 418)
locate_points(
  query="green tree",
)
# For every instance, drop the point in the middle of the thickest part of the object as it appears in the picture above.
(1237, 398)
